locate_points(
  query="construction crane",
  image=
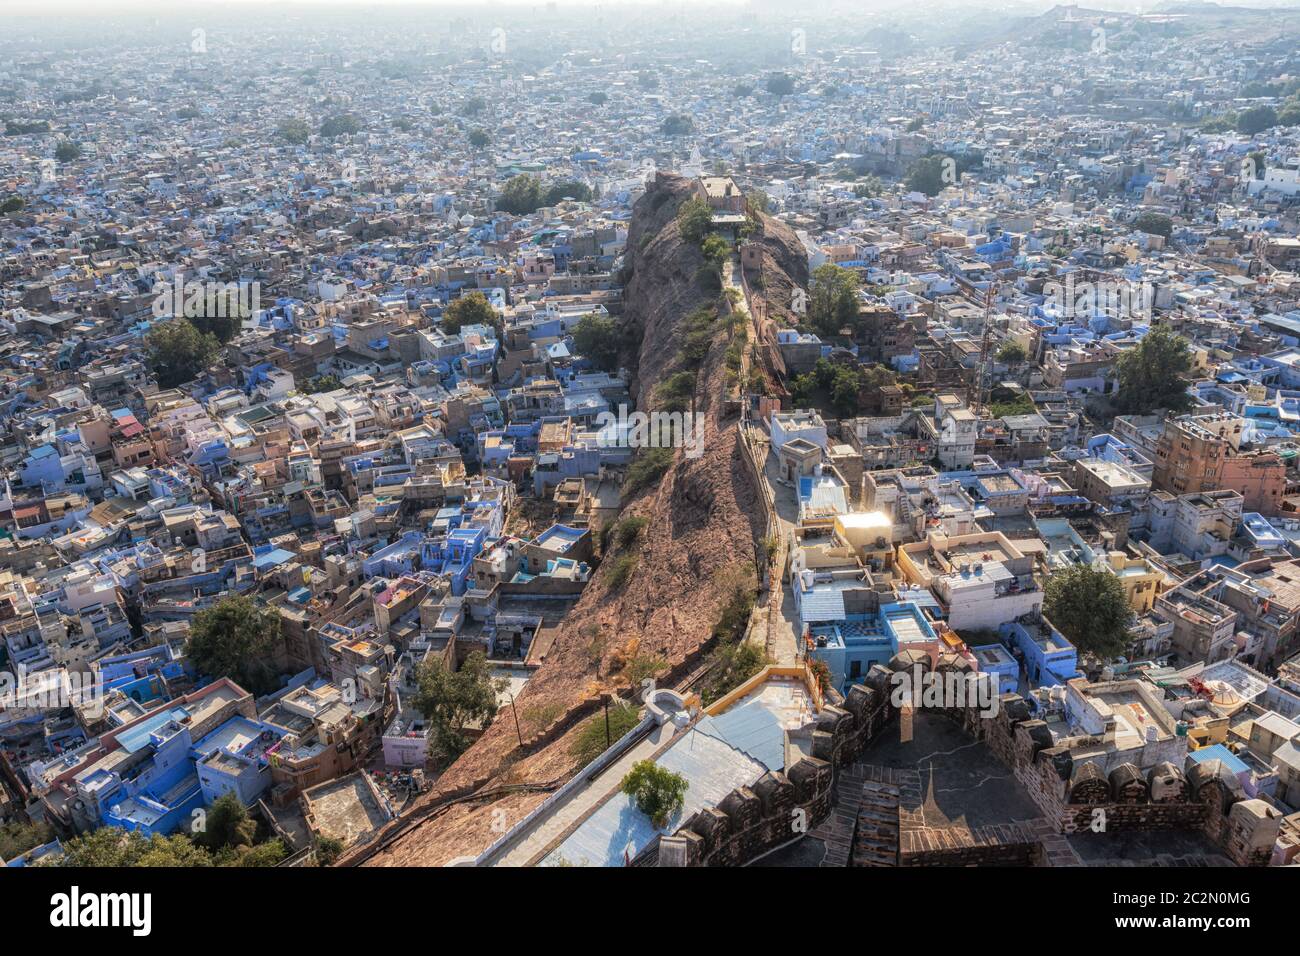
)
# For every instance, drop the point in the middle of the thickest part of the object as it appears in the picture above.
(975, 393)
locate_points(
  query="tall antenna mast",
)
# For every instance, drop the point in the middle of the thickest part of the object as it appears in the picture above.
(975, 394)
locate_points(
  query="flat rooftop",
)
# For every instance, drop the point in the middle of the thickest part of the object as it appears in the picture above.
(989, 550)
(345, 809)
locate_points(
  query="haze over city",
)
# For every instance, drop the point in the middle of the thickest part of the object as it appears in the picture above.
(650, 435)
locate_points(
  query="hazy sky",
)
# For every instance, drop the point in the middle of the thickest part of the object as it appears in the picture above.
(181, 7)
(178, 8)
(163, 7)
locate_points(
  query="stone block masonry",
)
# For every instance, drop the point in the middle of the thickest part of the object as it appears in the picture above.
(851, 809)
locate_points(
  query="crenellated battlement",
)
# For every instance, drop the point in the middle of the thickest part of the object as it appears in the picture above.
(1077, 783)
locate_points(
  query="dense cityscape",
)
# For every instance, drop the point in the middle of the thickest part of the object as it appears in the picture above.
(650, 436)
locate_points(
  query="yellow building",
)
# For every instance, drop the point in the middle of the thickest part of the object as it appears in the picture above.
(869, 533)
(1139, 578)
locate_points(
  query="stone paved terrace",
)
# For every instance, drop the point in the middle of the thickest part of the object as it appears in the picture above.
(939, 792)
(944, 799)
(1146, 848)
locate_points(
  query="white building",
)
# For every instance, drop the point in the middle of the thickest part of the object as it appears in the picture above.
(805, 424)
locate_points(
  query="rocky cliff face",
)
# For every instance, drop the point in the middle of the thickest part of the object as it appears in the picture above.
(662, 289)
(703, 525)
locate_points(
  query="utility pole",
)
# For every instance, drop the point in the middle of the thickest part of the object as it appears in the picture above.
(515, 710)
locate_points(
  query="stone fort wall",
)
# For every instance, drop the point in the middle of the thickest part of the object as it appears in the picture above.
(1065, 782)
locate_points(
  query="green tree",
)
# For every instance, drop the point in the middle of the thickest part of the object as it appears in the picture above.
(838, 388)
(694, 219)
(1088, 606)
(293, 131)
(235, 638)
(846, 387)
(833, 299)
(456, 701)
(678, 124)
(563, 189)
(1289, 114)
(12, 204)
(520, 195)
(716, 250)
(174, 851)
(804, 390)
(470, 309)
(104, 847)
(628, 531)
(697, 341)
(1256, 119)
(621, 570)
(67, 151)
(649, 465)
(598, 98)
(271, 853)
(780, 84)
(340, 124)
(1151, 374)
(868, 188)
(731, 664)
(115, 847)
(177, 352)
(657, 791)
(478, 138)
(1259, 163)
(328, 849)
(21, 128)
(17, 838)
(1155, 224)
(929, 175)
(227, 824)
(1219, 124)
(321, 383)
(673, 395)
(1008, 401)
(596, 338)
(221, 315)
(1011, 353)
(821, 672)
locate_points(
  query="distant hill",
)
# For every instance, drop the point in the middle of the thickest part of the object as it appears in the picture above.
(1071, 25)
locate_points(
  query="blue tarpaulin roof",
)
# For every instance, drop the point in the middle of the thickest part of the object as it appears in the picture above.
(1219, 752)
(272, 558)
(823, 603)
(138, 736)
(753, 728)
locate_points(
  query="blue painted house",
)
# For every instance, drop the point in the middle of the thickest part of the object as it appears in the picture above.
(1048, 657)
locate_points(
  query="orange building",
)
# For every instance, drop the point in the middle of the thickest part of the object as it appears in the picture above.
(1203, 453)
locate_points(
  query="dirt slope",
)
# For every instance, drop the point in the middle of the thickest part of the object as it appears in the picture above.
(703, 521)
